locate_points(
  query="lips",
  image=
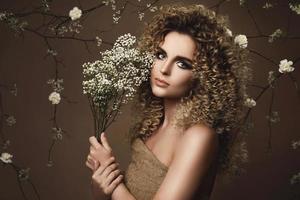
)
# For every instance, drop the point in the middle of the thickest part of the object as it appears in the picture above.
(161, 82)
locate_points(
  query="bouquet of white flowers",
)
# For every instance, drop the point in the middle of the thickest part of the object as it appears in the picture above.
(113, 80)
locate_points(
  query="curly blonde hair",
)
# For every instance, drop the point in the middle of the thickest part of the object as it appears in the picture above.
(220, 74)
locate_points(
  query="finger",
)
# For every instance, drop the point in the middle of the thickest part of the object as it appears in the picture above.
(105, 142)
(89, 165)
(100, 170)
(93, 163)
(91, 158)
(92, 149)
(94, 142)
(109, 169)
(112, 175)
(115, 182)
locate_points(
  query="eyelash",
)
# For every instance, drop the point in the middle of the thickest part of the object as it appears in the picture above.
(187, 66)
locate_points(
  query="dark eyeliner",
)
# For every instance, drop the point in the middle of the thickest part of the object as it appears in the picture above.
(187, 65)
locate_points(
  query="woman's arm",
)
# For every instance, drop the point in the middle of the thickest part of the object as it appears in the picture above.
(192, 159)
(121, 193)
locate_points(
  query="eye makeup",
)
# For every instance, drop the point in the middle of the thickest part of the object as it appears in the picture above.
(186, 62)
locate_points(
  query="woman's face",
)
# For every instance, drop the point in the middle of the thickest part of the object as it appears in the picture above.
(172, 68)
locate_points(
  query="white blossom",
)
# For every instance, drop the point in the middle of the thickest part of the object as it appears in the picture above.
(116, 17)
(23, 174)
(242, 2)
(14, 90)
(6, 157)
(75, 13)
(141, 16)
(295, 179)
(118, 74)
(153, 8)
(295, 144)
(274, 117)
(57, 133)
(267, 5)
(241, 40)
(57, 85)
(99, 41)
(54, 97)
(52, 52)
(285, 66)
(250, 102)
(11, 120)
(277, 34)
(295, 8)
(271, 78)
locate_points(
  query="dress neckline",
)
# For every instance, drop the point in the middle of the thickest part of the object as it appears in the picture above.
(153, 155)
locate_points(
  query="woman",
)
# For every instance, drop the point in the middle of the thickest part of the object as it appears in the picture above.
(188, 110)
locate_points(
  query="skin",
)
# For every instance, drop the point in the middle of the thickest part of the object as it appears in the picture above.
(189, 153)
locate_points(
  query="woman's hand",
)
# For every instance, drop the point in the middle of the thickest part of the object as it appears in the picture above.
(105, 179)
(99, 152)
(102, 162)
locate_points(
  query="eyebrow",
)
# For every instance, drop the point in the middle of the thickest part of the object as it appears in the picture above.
(177, 57)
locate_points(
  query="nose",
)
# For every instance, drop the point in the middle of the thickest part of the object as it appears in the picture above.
(165, 68)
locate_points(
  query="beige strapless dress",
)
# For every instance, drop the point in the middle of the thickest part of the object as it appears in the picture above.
(145, 173)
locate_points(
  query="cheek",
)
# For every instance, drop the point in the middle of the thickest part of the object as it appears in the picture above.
(181, 85)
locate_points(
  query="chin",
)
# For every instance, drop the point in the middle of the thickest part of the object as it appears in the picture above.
(158, 92)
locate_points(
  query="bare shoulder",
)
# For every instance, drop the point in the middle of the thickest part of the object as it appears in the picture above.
(192, 160)
(199, 137)
(200, 133)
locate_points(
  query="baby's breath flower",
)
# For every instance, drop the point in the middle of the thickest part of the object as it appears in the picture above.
(271, 77)
(117, 75)
(285, 66)
(267, 5)
(57, 133)
(99, 41)
(75, 13)
(295, 144)
(241, 40)
(54, 97)
(274, 117)
(295, 179)
(153, 8)
(250, 102)
(295, 8)
(57, 85)
(14, 90)
(11, 120)
(242, 2)
(277, 34)
(141, 16)
(6, 157)
(23, 174)
(52, 52)
(116, 18)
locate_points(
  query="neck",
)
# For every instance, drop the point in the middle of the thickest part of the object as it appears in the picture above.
(169, 111)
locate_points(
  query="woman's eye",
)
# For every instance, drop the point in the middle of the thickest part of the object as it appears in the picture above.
(159, 55)
(184, 65)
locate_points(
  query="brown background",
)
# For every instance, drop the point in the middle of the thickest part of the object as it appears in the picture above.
(22, 61)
